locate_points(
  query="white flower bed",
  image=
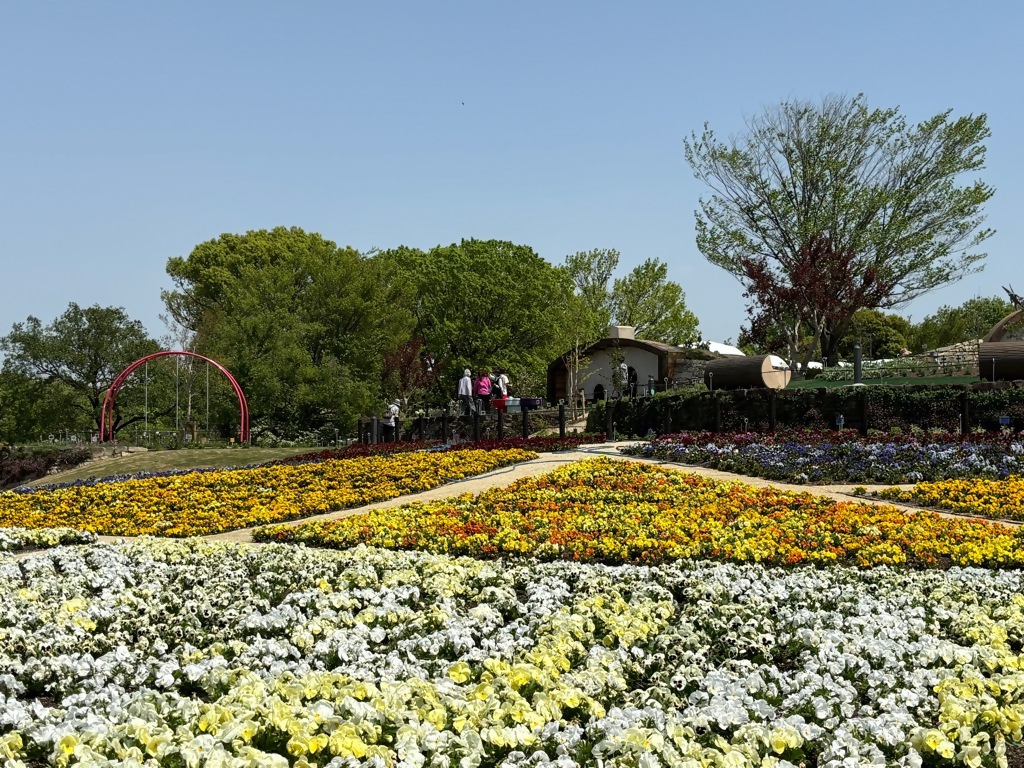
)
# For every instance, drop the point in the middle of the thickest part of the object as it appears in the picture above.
(17, 539)
(189, 653)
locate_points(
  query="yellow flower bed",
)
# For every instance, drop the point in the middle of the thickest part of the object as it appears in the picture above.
(612, 511)
(1000, 499)
(210, 502)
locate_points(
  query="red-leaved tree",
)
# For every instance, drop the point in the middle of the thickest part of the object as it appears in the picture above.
(817, 292)
(409, 371)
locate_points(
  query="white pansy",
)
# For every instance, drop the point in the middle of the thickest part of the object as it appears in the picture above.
(224, 654)
(16, 539)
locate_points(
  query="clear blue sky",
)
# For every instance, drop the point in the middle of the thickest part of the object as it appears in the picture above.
(130, 132)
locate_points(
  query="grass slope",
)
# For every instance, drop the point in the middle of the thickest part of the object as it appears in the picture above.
(158, 461)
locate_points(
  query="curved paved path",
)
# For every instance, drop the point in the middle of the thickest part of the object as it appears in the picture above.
(549, 461)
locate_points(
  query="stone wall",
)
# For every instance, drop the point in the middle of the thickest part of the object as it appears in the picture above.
(689, 372)
(959, 357)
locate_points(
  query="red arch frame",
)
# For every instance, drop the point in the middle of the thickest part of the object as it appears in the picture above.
(122, 377)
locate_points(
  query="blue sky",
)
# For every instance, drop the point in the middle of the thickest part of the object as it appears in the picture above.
(130, 132)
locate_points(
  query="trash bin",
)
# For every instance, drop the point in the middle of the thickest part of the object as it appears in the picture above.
(512, 404)
(532, 403)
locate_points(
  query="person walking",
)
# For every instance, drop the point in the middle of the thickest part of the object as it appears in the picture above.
(389, 420)
(466, 392)
(482, 390)
(500, 388)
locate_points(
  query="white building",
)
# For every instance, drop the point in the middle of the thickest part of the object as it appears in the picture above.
(646, 363)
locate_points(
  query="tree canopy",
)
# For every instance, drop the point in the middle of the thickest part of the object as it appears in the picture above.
(842, 192)
(970, 321)
(485, 304)
(654, 305)
(881, 336)
(591, 273)
(32, 408)
(301, 323)
(73, 360)
(645, 299)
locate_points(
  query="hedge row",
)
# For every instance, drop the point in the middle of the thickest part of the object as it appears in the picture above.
(20, 465)
(881, 407)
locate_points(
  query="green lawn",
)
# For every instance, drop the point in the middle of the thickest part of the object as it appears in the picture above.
(158, 461)
(888, 381)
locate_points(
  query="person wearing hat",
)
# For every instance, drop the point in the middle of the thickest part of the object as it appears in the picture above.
(466, 392)
(388, 422)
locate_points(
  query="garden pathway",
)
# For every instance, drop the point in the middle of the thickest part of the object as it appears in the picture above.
(549, 461)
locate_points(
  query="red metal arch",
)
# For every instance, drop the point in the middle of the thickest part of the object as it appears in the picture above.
(107, 414)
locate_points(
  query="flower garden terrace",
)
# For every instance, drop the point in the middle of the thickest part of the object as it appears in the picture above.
(843, 456)
(202, 503)
(162, 652)
(609, 511)
(974, 497)
(696, 650)
(357, 450)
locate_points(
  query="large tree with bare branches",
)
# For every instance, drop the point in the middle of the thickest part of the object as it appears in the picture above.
(882, 204)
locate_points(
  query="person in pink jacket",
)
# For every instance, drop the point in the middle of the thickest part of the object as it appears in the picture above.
(482, 390)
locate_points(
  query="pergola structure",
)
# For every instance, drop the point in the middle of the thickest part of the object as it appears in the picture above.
(107, 414)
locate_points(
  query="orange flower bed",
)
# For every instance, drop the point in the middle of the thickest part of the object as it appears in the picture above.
(615, 512)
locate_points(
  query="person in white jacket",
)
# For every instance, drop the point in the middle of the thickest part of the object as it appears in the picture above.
(466, 392)
(388, 422)
(500, 389)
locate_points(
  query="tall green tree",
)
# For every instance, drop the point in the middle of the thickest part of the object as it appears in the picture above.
(74, 360)
(654, 305)
(881, 336)
(591, 273)
(970, 321)
(485, 304)
(33, 408)
(301, 323)
(858, 187)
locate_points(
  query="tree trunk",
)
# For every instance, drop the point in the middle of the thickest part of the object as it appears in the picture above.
(793, 341)
(830, 341)
(809, 356)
